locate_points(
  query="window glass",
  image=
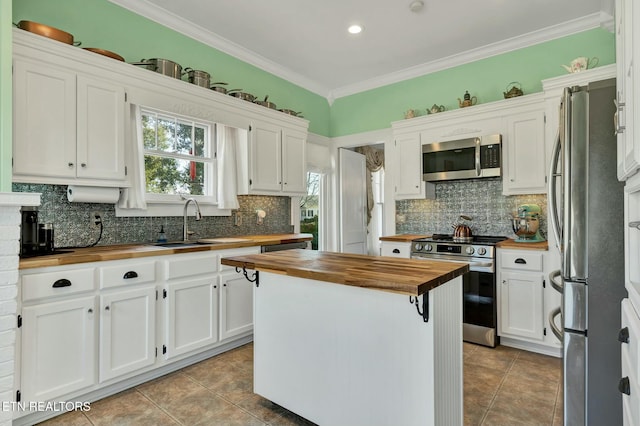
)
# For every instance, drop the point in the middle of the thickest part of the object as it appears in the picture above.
(178, 157)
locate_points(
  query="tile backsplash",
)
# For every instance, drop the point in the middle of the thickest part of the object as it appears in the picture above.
(481, 199)
(71, 221)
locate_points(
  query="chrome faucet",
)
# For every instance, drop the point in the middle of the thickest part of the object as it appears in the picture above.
(185, 229)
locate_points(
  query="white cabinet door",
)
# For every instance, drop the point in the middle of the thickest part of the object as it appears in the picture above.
(523, 147)
(628, 151)
(236, 305)
(265, 171)
(58, 348)
(191, 315)
(521, 305)
(409, 183)
(127, 331)
(294, 162)
(100, 133)
(44, 127)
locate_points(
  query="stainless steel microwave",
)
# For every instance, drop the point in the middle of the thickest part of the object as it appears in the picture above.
(470, 158)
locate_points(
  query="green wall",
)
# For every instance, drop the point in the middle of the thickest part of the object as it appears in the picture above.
(486, 79)
(5, 95)
(101, 24)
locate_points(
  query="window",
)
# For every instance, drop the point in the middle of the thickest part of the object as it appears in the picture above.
(179, 156)
(309, 205)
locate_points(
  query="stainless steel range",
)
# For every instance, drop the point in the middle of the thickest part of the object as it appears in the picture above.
(480, 310)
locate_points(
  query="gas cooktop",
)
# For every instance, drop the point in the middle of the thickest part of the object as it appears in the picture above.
(477, 239)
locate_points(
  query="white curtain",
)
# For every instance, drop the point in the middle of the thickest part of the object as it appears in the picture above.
(227, 179)
(134, 196)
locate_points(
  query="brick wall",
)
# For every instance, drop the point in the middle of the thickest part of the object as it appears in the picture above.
(10, 204)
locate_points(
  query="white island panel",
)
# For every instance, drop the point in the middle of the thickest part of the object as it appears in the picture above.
(344, 355)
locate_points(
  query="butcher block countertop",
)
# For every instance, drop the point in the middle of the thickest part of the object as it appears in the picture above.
(513, 244)
(405, 276)
(403, 238)
(128, 251)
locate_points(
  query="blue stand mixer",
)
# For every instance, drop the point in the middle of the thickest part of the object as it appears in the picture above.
(526, 224)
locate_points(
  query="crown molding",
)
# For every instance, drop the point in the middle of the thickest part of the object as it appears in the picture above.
(588, 22)
(179, 24)
(170, 20)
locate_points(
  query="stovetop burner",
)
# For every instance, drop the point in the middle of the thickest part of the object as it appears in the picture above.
(477, 239)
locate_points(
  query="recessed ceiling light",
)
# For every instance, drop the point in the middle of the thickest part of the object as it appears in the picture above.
(355, 29)
(416, 6)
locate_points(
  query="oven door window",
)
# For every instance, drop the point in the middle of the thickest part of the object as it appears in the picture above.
(479, 299)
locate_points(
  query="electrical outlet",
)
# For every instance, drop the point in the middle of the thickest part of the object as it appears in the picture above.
(95, 218)
(237, 218)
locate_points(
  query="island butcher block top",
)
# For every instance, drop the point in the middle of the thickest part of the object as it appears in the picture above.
(405, 276)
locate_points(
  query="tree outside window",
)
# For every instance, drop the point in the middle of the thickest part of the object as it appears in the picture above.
(309, 204)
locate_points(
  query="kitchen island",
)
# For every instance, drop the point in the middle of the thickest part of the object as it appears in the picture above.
(345, 339)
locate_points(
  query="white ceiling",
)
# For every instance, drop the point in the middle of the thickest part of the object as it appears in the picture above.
(306, 42)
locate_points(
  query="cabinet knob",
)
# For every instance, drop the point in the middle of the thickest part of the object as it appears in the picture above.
(90, 311)
(623, 335)
(106, 308)
(215, 286)
(417, 186)
(504, 281)
(624, 386)
(70, 164)
(83, 164)
(224, 285)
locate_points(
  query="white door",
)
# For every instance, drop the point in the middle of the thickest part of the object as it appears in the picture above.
(353, 202)
(58, 350)
(192, 315)
(127, 331)
(236, 305)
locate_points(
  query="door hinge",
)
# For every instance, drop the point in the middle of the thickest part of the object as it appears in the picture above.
(544, 331)
(164, 349)
(250, 128)
(164, 293)
(545, 179)
(250, 181)
(125, 96)
(545, 117)
(156, 352)
(18, 396)
(125, 170)
(156, 299)
(19, 321)
(544, 283)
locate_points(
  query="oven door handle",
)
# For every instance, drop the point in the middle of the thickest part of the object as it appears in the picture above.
(441, 259)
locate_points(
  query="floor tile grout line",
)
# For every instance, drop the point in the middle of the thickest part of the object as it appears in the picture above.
(495, 395)
(159, 407)
(555, 403)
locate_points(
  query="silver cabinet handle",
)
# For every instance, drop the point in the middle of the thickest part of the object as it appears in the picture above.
(635, 224)
(552, 315)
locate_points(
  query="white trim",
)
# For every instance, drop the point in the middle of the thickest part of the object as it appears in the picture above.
(579, 78)
(161, 209)
(19, 199)
(181, 25)
(365, 138)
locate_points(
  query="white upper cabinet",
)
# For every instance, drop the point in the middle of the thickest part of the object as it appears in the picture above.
(273, 161)
(523, 149)
(627, 45)
(68, 128)
(408, 165)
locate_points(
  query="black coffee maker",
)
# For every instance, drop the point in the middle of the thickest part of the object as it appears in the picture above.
(35, 238)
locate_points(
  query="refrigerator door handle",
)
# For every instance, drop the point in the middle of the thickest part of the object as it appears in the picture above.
(552, 322)
(557, 285)
(553, 197)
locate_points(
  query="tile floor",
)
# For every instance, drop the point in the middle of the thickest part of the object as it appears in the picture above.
(502, 386)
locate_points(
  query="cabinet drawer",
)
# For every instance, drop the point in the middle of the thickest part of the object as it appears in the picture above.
(57, 283)
(631, 402)
(186, 265)
(396, 249)
(631, 322)
(236, 252)
(127, 273)
(520, 260)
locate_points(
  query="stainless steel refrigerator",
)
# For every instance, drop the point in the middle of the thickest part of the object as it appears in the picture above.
(586, 214)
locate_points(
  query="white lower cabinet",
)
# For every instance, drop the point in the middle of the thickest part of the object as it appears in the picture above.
(191, 315)
(58, 348)
(127, 331)
(526, 299)
(395, 249)
(236, 304)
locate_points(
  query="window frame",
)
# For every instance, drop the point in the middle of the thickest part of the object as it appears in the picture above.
(209, 161)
